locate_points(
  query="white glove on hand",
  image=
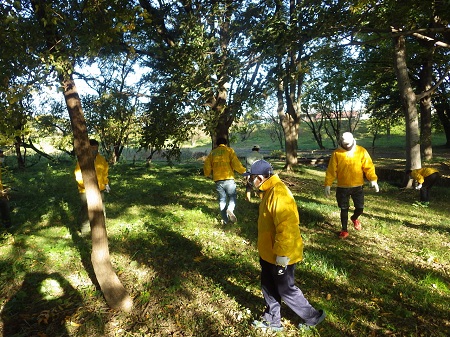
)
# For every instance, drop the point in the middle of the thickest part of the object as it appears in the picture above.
(107, 188)
(327, 191)
(419, 186)
(282, 261)
(374, 184)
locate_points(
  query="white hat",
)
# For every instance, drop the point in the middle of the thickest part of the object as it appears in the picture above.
(347, 139)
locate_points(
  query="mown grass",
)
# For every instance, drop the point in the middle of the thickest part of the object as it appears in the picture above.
(190, 276)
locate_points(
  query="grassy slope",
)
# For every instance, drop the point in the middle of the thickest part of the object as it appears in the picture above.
(191, 277)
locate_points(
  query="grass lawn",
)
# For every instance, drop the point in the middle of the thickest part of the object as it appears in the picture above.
(190, 276)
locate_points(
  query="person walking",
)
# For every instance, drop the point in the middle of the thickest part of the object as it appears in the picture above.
(425, 178)
(253, 156)
(5, 214)
(101, 170)
(349, 163)
(280, 247)
(221, 164)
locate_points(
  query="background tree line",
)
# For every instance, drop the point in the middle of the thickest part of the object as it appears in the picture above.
(166, 68)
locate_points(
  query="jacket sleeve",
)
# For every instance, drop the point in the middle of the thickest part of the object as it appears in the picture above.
(286, 221)
(78, 176)
(415, 174)
(330, 175)
(207, 169)
(103, 176)
(236, 164)
(368, 167)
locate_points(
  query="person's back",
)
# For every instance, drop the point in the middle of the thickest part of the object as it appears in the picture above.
(253, 156)
(221, 163)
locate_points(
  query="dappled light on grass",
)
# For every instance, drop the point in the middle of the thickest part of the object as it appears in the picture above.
(191, 276)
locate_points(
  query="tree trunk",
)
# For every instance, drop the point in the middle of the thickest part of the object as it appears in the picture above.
(223, 114)
(290, 127)
(113, 290)
(413, 158)
(426, 78)
(443, 112)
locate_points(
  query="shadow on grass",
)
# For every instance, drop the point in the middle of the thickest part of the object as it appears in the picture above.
(184, 279)
(40, 306)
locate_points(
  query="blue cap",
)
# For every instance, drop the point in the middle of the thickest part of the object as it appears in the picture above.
(260, 167)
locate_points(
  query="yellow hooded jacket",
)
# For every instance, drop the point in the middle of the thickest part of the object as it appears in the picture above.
(278, 223)
(349, 167)
(222, 162)
(420, 174)
(101, 169)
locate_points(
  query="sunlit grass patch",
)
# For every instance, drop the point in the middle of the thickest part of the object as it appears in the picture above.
(191, 276)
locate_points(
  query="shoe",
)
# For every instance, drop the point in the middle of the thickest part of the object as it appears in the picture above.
(343, 234)
(264, 325)
(303, 326)
(231, 216)
(356, 224)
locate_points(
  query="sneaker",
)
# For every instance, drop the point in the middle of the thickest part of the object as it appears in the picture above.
(264, 325)
(304, 326)
(343, 234)
(231, 216)
(356, 224)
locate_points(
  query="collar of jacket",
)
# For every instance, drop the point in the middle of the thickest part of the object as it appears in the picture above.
(269, 183)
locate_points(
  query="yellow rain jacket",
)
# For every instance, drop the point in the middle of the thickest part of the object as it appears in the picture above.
(101, 169)
(222, 162)
(278, 223)
(348, 167)
(420, 174)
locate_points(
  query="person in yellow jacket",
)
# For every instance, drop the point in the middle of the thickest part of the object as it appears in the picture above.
(425, 178)
(101, 170)
(221, 163)
(5, 218)
(349, 163)
(280, 247)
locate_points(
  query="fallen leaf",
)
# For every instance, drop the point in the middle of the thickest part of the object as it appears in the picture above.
(198, 258)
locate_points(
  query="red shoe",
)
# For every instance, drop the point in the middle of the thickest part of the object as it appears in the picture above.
(343, 234)
(357, 224)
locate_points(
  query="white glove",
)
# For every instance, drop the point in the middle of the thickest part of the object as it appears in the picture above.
(419, 186)
(282, 261)
(374, 184)
(107, 188)
(327, 191)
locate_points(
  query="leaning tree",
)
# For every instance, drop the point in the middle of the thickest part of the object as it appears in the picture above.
(65, 33)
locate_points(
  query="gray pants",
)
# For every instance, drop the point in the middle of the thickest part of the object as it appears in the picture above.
(277, 287)
(83, 216)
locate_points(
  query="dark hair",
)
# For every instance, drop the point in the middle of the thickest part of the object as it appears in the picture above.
(93, 142)
(221, 141)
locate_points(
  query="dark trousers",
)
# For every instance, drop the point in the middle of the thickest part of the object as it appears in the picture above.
(5, 212)
(343, 195)
(427, 185)
(276, 287)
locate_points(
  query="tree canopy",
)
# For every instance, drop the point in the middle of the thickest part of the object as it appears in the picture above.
(206, 64)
